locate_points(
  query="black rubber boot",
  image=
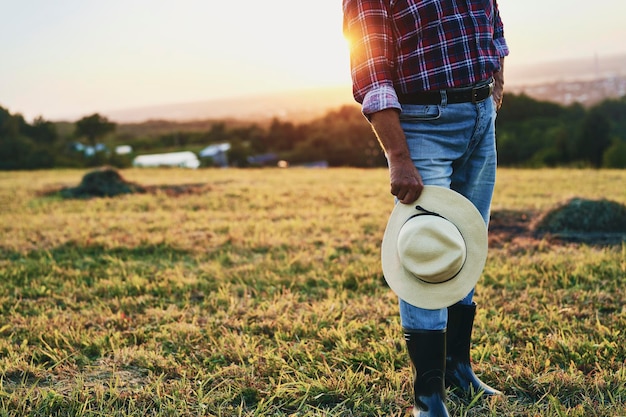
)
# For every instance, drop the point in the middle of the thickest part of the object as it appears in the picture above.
(427, 350)
(459, 373)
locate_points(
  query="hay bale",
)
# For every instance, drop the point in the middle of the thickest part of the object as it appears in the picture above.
(103, 182)
(585, 220)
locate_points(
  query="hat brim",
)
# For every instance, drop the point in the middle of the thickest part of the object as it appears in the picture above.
(464, 215)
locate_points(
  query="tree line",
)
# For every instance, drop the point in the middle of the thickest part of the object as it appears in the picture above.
(530, 133)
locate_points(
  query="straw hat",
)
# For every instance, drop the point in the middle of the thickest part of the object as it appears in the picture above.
(434, 249)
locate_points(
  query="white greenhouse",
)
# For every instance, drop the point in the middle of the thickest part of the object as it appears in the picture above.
(173, 159)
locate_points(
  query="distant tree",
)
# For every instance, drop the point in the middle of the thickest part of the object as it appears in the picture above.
(238, 153)
(41, 131)
(15, 147)
(94, 127)
(282, 136)
(520, 108)
(40, 158)
(595, 137)
(120, 161)
(9, 124)
(15, 152)
(217, 133)
(341, 138)
(252, 135)
(615, 155)
(533, 133)
(615, 110)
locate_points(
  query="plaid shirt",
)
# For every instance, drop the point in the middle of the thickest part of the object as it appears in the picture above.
(406, 46)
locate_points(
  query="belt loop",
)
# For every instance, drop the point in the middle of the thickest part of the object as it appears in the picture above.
(444, 98)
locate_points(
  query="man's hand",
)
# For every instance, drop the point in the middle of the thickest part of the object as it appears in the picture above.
(498, 87)
(406, 181)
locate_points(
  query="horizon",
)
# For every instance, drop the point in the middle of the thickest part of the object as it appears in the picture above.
(70, 58)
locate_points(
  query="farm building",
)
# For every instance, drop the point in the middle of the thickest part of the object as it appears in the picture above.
(88, 150)
(173, 159)
(123, 149)
(218, 154)
(266, 159)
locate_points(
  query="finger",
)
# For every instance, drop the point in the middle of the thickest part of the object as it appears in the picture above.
(418, 191)
(415, 196)
(412, 195)
(399, 190)
(401, 196)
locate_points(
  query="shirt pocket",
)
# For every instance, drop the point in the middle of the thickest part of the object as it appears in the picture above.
(482, 11)
(415, 20)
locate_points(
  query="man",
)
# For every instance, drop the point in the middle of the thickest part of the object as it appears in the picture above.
(429, 76)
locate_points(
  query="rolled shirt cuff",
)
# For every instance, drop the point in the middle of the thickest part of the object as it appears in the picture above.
(380, 98)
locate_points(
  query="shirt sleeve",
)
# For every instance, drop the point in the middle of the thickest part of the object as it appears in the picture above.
(367, 28)
(498, 34)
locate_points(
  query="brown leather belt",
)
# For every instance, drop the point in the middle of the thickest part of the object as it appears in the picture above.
(474, 94)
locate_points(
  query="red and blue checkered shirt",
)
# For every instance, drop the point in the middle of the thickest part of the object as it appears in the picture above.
(408, 46)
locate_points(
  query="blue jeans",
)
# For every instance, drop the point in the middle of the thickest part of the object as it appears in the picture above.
(454, 146)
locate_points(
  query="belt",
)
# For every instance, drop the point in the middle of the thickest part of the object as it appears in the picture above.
(474, 94)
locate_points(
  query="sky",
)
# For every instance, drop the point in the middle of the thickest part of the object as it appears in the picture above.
(69, 58)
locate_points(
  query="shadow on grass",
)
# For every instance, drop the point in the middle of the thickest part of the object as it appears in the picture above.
(172, 190)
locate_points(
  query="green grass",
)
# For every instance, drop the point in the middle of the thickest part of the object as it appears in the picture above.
(262, 295)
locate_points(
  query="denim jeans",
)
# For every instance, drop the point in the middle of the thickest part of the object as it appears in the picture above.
(454, 146)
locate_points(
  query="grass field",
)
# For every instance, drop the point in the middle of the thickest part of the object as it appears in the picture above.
(259, 293)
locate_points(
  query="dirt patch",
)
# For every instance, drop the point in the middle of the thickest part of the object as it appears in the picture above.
(506, 226)
(178, 189)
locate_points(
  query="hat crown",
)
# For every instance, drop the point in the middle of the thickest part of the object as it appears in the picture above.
(431, 248)
(434, 249)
